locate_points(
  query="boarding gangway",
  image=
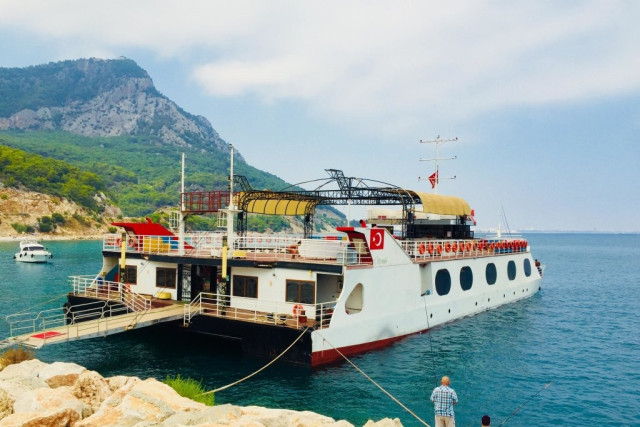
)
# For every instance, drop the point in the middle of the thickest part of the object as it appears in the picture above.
(95, 319)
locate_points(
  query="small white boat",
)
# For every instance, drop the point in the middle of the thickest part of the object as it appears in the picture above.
(32, 251)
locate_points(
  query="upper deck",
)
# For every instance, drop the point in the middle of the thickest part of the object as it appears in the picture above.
(335, 250)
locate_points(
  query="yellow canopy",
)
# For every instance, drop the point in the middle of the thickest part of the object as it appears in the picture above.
(269, 203)
(443, 205)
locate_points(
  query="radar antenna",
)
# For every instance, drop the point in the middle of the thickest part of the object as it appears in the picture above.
(434, 178)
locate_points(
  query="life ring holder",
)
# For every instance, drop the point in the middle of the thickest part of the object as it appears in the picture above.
(298, 309)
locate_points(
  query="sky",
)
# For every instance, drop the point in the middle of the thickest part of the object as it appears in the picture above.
(543, 97)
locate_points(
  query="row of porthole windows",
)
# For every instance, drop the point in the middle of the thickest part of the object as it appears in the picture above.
(443, 277)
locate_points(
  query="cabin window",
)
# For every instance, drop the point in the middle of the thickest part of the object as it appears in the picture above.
(245, 286)
(130, 274)
(443, 282)
(301, 291)
(527, 267)
(511, 270)
(491, 274)
(466, 278)
(165, 277)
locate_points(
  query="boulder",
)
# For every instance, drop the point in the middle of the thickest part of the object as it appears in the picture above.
(28, 368)
(92, 389)
(6, 404)
(60, 374)
(45, 407)
(385, 422)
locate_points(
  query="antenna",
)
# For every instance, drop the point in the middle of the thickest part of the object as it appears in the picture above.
(435, 177)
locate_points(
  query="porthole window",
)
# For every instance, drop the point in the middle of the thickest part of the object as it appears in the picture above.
(511, 270)
(466, 278)
(443, 282)
(527, 267)
(491, 273)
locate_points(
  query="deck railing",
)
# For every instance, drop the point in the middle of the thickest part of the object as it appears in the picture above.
(259, 247)
(96, 287)
(289, 314)
(429, 249)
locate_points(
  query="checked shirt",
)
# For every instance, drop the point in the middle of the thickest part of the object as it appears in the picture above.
(443, 397)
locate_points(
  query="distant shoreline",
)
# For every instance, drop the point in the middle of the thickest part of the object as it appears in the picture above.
(44, 237)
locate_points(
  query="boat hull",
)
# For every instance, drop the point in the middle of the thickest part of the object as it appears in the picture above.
(32, 257)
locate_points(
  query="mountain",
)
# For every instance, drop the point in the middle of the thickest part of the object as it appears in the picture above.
(98, 98)
(99, 117)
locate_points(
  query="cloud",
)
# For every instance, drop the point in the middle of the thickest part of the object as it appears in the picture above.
(363, 62)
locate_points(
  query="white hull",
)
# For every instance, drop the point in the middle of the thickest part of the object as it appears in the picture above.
(395, 303)
(36, 258)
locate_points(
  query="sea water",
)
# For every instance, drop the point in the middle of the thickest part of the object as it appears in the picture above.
(569, 355)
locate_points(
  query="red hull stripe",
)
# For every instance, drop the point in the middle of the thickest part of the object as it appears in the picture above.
(328, 356)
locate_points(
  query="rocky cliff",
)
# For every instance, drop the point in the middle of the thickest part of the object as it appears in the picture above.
(34, 393)
(95, 97)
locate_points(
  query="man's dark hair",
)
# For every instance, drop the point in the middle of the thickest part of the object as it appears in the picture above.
(486, 420)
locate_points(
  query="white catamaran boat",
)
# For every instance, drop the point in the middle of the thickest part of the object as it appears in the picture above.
(32, 251)
(398, 273)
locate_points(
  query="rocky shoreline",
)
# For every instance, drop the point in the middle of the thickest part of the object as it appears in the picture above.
(34, 393)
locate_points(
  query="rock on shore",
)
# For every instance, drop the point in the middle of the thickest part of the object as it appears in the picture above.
(34, 393)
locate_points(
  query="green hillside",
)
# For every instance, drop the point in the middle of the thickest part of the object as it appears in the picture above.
(141, 175)
(50, 176)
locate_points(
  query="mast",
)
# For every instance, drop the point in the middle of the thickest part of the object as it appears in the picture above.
(230, 207)
(181, 215)
(435, 177)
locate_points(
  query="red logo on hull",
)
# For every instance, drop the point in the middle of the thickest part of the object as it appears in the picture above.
(376, 238)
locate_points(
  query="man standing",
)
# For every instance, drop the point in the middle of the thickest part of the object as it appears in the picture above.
(443, 399)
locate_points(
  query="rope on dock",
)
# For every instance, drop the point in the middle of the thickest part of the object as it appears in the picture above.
(259, 370)
(374, 382)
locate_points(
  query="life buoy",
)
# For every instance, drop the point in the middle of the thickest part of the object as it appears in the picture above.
(259, 239)
(503, 245)
(447, 247)
(475, 246)
(422, 249)
(118, 242)
(298, 309)
(131, 243)
(430, 248)
(454, 247)
(111, 240)
(250, 240)
(439, 248)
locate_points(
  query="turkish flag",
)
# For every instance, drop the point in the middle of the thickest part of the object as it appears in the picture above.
(376, 238)
(433, 179)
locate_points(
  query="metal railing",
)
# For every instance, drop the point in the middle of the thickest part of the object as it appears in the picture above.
(291, 314)
(429, 249)
(332, 250)
(96, 287)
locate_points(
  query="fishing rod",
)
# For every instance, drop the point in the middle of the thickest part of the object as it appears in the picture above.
(546, 386)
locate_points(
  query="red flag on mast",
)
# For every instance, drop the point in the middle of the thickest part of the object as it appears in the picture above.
(433, 179)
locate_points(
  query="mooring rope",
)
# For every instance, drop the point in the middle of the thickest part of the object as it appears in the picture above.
(259, 370)
(41, 304)
(374, 382)
(433, 358)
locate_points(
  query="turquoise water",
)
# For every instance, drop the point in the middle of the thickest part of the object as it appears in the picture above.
(581, 333)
